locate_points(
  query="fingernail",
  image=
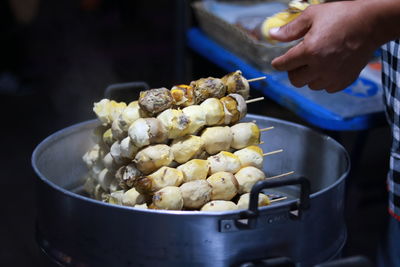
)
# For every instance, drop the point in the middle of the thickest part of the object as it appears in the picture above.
(274, 30)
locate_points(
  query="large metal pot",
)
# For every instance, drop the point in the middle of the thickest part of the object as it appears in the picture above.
(73, 229)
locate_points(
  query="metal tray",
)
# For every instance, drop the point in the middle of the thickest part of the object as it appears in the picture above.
(237, 40)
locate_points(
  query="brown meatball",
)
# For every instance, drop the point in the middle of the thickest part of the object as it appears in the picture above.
(155, 101)
(236, 83)
(208, 87)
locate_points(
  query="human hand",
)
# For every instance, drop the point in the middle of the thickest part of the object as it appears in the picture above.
(336, 45)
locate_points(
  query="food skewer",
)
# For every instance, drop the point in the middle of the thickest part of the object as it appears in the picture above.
(213, 140)
(280, 175)
(193, 169)
(189, 120)
(257, 79)
(154, 101)
(272, 152)
(277, 199)
(266, 129)
(254, 100)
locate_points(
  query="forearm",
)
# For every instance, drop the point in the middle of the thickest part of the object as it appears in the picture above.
(384, 17)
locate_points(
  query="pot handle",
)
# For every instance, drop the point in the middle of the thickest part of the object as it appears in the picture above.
(125, 91)
(302, 205)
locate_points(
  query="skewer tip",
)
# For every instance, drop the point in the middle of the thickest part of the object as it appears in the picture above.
(280, 175)
(254, 100)
(277, 199)
(266, 129)
(272, 152)
(257, 79)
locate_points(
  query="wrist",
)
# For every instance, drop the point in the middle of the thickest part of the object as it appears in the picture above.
(382, 18)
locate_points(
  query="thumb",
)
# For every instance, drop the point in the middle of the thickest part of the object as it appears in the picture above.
(294, 30)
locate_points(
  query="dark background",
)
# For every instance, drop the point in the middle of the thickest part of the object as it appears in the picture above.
(56, 59)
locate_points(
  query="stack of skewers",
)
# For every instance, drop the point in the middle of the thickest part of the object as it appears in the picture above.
(178, 149)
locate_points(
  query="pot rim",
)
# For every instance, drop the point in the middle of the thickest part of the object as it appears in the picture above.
(53, 137)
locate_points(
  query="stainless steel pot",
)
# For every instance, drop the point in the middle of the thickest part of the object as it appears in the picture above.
(73, 229)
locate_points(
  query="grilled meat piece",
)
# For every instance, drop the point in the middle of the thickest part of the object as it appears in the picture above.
(155, 101)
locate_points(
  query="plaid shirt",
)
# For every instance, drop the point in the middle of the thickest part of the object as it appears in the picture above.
(391, 88)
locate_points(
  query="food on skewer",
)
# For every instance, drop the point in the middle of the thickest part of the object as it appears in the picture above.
(151, 158)
(197, 118)
(219, 205)
(127, 148)
(132, 197)
(127, 176)
(196, 193)
(247, 177)
(245, 134)
(165, 176)
(238, 136)
(115, 151)
(224, 185)
(116, 197)
(168, 198)
(214, 110)
(236, 84)
(130, 114)
(175, 122)
(147, 131)
(108, 110)
(93, 157)
(117, 132)
(208, 87)
(108, 138)
(243, 202)
(155, 101)
(110, 163)
(224, 161)
(232, 114)
(105, 178)
(253, 156)
(183, 95)
(250, 156)
(241, 104)
(195, 169)
(216, 139)
(187, 147)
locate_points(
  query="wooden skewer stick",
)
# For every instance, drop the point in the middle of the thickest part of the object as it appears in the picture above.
(272, 152)
(267, 129)
(254, 100)
(280, 175)
(277, 199)
(257, 79)
(262, 142)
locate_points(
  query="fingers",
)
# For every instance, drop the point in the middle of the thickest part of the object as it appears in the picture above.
(317, 85)
(293, 30)
(292, 59)
(332, 87)
(302, 76)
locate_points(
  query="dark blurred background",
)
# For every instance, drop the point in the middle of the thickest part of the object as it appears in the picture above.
(56, 59)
